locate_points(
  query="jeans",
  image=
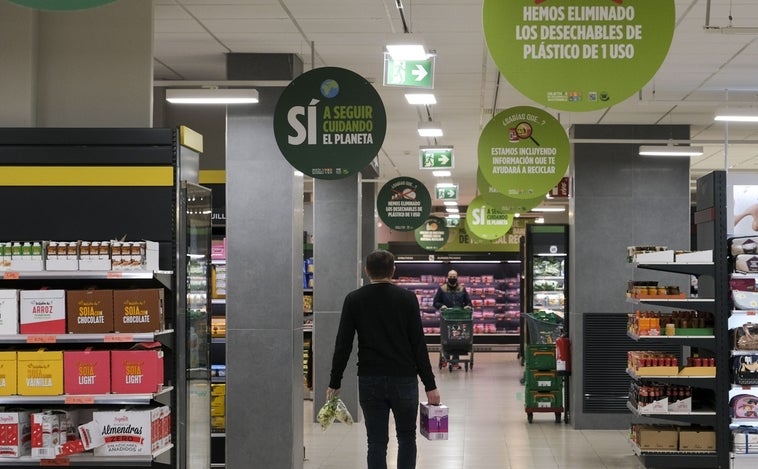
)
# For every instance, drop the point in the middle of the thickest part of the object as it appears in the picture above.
(378, 395)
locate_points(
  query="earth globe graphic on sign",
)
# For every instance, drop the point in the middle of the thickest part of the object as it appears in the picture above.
(330, 88)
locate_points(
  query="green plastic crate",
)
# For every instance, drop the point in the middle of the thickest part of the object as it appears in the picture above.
(540, 380)
(540, 356)
(544, 399)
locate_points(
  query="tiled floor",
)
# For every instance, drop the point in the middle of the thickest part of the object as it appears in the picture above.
(488, 430)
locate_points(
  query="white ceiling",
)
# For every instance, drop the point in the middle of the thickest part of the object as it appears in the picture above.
(702, 71)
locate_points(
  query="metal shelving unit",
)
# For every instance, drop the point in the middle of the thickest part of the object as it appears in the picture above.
(710, 219)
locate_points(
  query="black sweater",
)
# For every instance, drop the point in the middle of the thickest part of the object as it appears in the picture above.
(390, 337)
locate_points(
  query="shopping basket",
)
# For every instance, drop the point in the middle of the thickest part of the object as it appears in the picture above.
(544, 327)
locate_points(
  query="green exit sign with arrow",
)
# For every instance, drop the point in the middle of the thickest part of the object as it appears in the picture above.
(436, 158)
(447, 191)
(410, 73)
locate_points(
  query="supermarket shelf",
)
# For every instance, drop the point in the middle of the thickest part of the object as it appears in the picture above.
(700, 304)
(163, 276)
(705, 341)
(698, 417)
(111, 399)
(218, 379)
(708, 382)
(82, 338)
(218, 435)
(694, 268)
(218, 301)
(218, 340)
(676, 459)
(87, 459)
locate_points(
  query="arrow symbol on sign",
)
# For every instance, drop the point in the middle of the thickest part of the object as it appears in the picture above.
(450, 193)
(444, 159)
(420, 72)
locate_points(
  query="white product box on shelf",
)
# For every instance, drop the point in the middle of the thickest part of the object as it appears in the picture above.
(94, 264)
(131, 432)
(656, 407)
(696, 256)
(42, 311)
(655, 256)
(15, 434)
(27, 265)
(8, 311)
(62, 264)
(681, 406)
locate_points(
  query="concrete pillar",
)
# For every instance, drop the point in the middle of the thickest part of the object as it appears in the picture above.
(264, 307)
(337, 266)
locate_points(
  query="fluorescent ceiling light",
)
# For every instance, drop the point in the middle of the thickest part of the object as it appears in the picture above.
(407, 51)
(549, 209)
(420, 98)
(450, 203)
(670, 150)
(454, 216)
(441, 174)
(212, 96)
(452, 210)
(737, 115)
(443, 184)
(539, 220)
(429, 129)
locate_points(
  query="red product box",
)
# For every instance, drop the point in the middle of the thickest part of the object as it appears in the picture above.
(87, 372)
(15, 434)
(138, 370)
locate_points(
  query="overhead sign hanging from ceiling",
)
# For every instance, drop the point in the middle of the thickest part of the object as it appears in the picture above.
(61, 5)
(486, 221)
(523, 152)
(403, 203)
(501, 201)
(578, 55)
(329, 123)
(432, 234)
(436, 158)
(409, 73)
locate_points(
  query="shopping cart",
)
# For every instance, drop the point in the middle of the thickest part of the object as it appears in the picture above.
(456, 338)
(543, 327)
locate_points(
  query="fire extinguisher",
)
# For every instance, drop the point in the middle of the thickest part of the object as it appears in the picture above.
(563, 353)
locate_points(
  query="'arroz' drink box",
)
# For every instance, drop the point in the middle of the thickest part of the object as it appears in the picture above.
(138, 370)
(138, 310)
(40, 373)
(42, 312)
(433, 421)
(8, 311)
(89, 311)
(87, 372)
(129, 432)
(15, 434)
(8, 374)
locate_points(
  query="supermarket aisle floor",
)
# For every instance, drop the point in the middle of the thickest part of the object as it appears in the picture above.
(488, 430)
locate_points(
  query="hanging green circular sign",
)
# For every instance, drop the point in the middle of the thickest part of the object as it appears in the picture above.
(485, 221)
(523, 152)
(403, 203)
(432, 234)
(578, 55)
(61, 5)
(329, 123)
(502, 201)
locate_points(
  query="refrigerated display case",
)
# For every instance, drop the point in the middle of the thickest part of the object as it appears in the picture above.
(544, 252)
(492, 284)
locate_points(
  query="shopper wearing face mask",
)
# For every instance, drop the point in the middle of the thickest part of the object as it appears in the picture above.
(452, 294)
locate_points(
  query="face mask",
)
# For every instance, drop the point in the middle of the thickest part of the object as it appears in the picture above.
(452, 281)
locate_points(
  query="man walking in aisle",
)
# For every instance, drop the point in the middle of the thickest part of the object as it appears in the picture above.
(391, 354)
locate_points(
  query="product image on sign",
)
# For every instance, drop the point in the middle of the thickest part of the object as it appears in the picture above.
(329, 123)
(578, 55)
